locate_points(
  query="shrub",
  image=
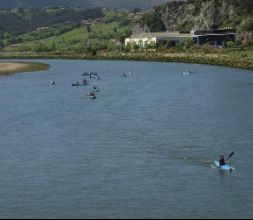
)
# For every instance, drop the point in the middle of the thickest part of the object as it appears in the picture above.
(207, 48)
(230, 44)
(136, 47)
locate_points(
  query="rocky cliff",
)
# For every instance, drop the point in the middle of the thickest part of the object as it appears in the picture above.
(200, 14)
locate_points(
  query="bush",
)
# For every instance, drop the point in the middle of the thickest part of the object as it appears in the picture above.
(230, 44)
(207, 48)
(1, 44)
(136, 47)
(127, 48)
(94, 51)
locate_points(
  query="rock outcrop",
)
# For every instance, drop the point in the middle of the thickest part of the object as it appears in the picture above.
(201, 14)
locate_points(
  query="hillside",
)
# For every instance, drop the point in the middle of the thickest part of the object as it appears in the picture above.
(69, 34)
(200, 14)
(16, 22)
(129, 4)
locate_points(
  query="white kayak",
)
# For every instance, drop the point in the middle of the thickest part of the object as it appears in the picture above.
(225, 167)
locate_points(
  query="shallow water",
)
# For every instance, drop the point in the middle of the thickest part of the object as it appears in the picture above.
(143, 149)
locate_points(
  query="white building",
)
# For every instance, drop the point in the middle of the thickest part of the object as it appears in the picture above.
(217, 37)
(145, 39)
(141, 41)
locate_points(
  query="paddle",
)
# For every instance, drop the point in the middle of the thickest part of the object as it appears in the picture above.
(230, 155)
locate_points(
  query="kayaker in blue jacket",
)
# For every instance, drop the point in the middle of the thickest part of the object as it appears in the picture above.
(222, 160)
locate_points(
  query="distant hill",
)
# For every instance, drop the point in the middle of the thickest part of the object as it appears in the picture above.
(129, 4)
(123, 4)
(11, 4)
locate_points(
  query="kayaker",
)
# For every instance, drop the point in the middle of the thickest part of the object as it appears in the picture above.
(222, 160)
(92, 94)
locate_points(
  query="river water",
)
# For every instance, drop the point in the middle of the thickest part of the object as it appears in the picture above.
(143, 149)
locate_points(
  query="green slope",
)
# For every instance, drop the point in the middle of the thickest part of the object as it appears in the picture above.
(99, 35)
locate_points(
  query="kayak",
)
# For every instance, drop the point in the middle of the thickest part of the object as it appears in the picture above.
(96, 90)
(75, 84)
(225, 167)
(91, 96)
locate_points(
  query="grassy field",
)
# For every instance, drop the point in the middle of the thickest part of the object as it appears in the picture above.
(75, 38)
(66, 37)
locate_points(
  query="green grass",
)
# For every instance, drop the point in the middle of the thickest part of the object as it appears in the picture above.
(230, 60)
(72, 39)
(78, 34)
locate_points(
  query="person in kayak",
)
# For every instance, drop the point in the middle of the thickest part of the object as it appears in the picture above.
(92, 94)
(222, 160)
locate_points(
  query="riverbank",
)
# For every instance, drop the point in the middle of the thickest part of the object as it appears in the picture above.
(18, 67)
(243, 60)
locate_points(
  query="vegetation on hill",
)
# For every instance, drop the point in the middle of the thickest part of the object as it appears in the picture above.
(107, 33)
(16, 22)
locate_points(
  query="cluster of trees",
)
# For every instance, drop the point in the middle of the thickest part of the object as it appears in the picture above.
(154, 21)
(243, 6)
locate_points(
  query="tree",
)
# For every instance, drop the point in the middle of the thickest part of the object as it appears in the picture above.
(230, 45)
(20, 11)
(154, 22)
(53, 47)
(94, 51)
(88, 28)
(136, 10)
(1, 44)
(122, 39)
